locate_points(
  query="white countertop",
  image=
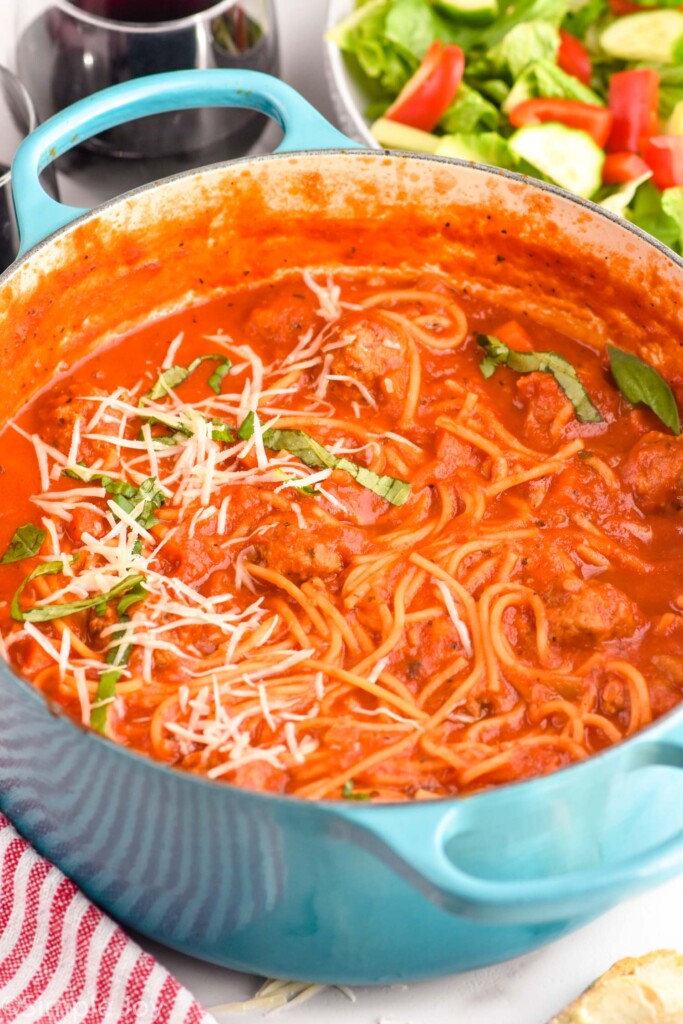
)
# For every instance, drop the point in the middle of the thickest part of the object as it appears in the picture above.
(528, 990)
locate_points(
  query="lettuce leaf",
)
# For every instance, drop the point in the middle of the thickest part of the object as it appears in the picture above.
(545, 79)
(582, 15)
(524, 45)
(672, 206)
(382, 67)
(647, 212)
(468, 112)
(670, 87)
(410, 25)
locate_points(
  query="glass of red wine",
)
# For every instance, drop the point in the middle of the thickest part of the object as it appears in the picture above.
(17, 119)
(67, 49)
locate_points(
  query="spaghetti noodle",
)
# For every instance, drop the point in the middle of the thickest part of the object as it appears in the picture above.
(304, 540)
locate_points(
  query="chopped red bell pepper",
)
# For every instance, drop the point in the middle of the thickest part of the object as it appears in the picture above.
(573, 58)
(425, 98)
(514, 336)
(663, 154)
(634, 101)
(621, 167)
(620, 7)
(596, 121)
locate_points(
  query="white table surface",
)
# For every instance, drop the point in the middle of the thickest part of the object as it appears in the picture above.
(524, 991)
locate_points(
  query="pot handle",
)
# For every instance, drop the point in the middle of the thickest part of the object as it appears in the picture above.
(418, 851)
(38, 215)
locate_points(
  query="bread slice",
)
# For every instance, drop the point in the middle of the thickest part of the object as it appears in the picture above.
(637, 990)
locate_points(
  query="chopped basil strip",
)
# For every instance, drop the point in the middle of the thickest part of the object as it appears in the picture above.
(177, 375)
(49, 612)
(150, 492)
(110, 485)
(349, 793)
(44, 569)
(133, 596)
(220, 431)
(498, 354)
(315, 456)
(118, 654)
(640, 383)
(127, 496)
(106, 690)
(26, 542)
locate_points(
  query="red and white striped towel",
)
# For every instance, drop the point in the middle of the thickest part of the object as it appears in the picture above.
(62, 961)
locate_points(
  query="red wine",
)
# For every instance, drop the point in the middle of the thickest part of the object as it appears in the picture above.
(143, 10)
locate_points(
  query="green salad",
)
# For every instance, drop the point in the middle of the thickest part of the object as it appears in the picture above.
(587, 94)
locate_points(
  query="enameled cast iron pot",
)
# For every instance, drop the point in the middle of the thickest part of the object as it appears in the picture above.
(333, 891)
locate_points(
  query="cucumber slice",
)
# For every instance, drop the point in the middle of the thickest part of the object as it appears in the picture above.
(566, 156)
(648, 36)
(392, 135)
(472, 12)
(482, 148)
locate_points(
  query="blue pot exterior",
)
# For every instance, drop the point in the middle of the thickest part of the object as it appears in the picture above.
(339, 892)
(289, 888)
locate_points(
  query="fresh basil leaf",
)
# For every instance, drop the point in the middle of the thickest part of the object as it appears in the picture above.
(49, 612)
(44, 569)
(134, 596)
(174, 376)
(117, 655)
(498, 354)
(26, 542)
(106, 690)
(640, 383)
(220, 431)
(488, 367)
(216, 378)
(150, 492)
(246, 430)
(314, 455)
(110, 485)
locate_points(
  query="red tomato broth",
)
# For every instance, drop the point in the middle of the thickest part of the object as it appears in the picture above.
(529, 717)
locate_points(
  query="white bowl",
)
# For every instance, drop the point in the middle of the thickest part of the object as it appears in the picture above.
(347, 98)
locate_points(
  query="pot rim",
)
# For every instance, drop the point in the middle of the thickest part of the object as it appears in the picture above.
(352, 807)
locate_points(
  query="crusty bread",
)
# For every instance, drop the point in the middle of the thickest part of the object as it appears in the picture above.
(637, 990)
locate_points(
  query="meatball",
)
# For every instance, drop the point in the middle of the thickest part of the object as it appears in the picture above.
(653, 471)
(594, 611)
(67, 408)
(296, 554)
(546, 408)
(281, 321)
(374, 348)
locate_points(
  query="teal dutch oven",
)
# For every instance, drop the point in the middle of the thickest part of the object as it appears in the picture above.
(327, 891)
